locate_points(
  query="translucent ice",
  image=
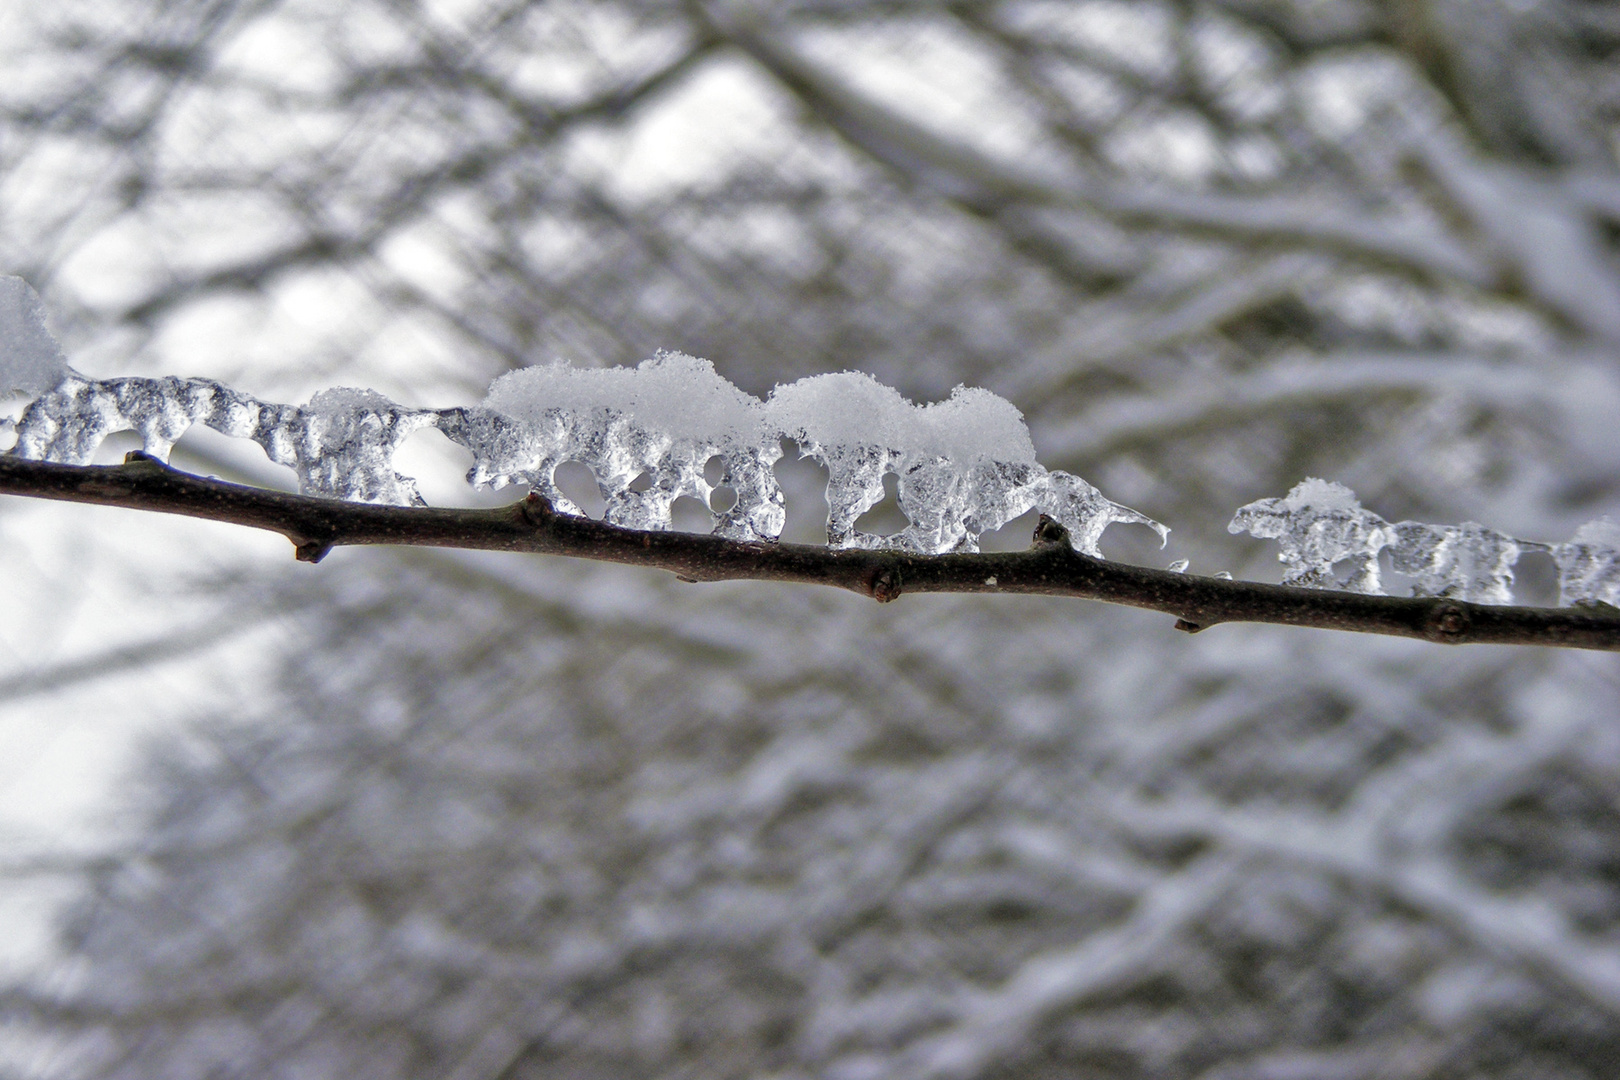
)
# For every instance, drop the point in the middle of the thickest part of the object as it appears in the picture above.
(1466, 562)
(31, 361)
(854, 426)
(1081, 509)
(1317, 525)
(663, 421)
(964, 466)
(1589, 565)
(341, 444)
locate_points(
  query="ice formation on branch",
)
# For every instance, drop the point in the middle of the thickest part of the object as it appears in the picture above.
(1319, 525)
(1467, 561)
(1589, 565)
(964, 466)
(341, 444)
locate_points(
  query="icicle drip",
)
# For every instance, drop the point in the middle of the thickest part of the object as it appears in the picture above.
(647, 434)
(1318, 525)
(964, 467)
(1589, 565)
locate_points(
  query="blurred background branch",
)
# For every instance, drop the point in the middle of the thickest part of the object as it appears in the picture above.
(439, 814)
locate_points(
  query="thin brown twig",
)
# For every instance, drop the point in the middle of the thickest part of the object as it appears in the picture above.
(1050, 566)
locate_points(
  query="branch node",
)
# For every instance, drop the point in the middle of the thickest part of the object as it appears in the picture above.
(1188, 627)
(312, 551)
(1049, 531)
(1448, 623)
(885, 585)
(536, 509)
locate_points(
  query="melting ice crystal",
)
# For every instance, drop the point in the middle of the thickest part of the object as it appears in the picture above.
(964, 466)
(1589, 565)
(1320, 526)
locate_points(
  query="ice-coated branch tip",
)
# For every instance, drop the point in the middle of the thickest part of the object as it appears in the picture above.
(1321, 526)
(1048, 567)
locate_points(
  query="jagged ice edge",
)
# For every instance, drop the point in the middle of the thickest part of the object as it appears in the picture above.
(1320, 524)
(964, 466)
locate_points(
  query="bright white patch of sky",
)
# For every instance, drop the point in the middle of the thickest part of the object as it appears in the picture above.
(936, 77)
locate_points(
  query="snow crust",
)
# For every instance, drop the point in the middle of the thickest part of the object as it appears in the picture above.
(31, 362)
(964, 466)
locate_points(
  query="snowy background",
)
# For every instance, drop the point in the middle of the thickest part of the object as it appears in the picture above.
(432, 814)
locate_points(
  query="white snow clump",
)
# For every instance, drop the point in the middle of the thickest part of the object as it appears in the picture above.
(965, 466)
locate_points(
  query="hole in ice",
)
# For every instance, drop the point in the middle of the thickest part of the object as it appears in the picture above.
(714, 469)
(1345, 569)
(207, 452)
(1136, 544)
(884, 519)
(688, 515)
(439, 468)
(723, 498)
(114, 447)
(644, 482)
(575, 480)
(1013, 536)
(1535, 579)
(804, 487)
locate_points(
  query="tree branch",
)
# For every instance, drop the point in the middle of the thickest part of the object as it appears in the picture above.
(1049, 567)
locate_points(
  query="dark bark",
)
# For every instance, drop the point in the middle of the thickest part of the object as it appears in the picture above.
(1049, 567)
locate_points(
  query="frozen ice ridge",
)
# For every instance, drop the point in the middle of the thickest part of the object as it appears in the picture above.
(341, 444)
(647, 433)
(964, 466)
(1320, 527)
(1589, 565)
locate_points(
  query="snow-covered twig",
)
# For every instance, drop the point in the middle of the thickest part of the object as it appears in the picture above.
(1049, 567)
